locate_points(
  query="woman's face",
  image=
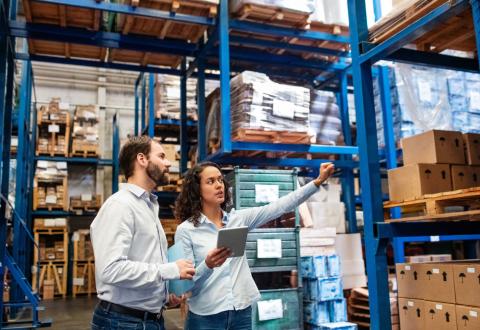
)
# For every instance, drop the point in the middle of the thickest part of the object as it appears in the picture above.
(212, 188)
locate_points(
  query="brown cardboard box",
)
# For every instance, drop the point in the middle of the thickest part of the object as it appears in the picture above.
(462, 177)
(475, 175)
(440, 316)
(408, 281)
(472, 148)
(437, 282)
(48, 289)
(434, 147)
(413, 181)
(468, 318)
(467, 284)
(412, 314)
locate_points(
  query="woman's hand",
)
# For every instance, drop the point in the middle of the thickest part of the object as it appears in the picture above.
(174, 300)
(326, 170)
(216, 257)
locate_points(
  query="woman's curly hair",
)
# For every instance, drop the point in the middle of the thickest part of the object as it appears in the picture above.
(188, 205)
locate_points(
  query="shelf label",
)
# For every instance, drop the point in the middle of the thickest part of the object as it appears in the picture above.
(53, 128)
(270, 309)
(434, 238)
(86, 197)
(266, 193)
(269, 248)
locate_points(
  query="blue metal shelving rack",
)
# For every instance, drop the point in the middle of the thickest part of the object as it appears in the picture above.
(378, 233)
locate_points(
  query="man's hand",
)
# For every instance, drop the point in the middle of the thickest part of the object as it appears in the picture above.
(216, 257)
(186, 269)
(326, 170)
(174, 300)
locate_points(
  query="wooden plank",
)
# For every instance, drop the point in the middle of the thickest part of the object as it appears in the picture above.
(451, 216)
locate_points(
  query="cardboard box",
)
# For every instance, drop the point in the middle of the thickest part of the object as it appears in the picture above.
(440, 316)
(414, 181)
(462, 177)
(411, 313)
(472, 148)
(475, 175)
(467, 284)
(436, 282)
(434, 147)
(408, 281)
(48, 289)
(468, 318)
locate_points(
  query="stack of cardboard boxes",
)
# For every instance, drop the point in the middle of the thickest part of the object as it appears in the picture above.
(436, 161)
(53, 131)
(50, 185)
(85, 131)
(439, 295)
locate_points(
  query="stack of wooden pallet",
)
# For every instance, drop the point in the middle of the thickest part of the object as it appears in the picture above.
(85, 142)
(86, 202)
(53, 129)
(50, 187)
(83, 271)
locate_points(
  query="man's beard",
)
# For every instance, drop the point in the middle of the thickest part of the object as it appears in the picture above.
(158, 176)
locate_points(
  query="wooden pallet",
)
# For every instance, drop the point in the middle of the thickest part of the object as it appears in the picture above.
(66, 49)
(259, 135)
(272, 15)
(50, 206)
(43, 130)
(166, 28)
(83, 278)
(76, 203)
(50, 271)
(434, 207)
(61, 15)
(143, 58)
(85, 150)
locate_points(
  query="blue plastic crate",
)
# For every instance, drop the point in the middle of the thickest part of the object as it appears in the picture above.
(337, 310)
(333, 265)
(316, 313)
(338, 326)
(324, 289)
(314, 267)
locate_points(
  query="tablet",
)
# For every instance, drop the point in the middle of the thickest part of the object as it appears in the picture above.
(234, 239)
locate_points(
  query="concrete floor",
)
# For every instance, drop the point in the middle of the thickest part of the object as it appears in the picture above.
(76, 314)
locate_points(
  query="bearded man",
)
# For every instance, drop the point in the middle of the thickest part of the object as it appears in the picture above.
(130, 246)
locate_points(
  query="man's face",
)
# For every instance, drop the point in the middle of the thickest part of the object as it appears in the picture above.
(158, 165)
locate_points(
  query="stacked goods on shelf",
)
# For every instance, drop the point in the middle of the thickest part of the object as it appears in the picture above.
(53, 129)
(50, 258)
(170, 227)
(442, 295)
(434, 166)
(50, 186)
(359, 309)
(325, 122)
(85, 131)
(83, 276)
(272, 253)
(263, 111)
(325, 209)
(282, 12)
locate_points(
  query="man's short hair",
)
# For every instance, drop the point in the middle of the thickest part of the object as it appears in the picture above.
(128, 154)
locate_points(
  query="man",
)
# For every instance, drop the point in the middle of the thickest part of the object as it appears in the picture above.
(130, 246)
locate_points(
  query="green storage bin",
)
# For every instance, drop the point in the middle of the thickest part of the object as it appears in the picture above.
(292, 311)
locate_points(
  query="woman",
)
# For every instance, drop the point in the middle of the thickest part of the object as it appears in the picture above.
(224, 289)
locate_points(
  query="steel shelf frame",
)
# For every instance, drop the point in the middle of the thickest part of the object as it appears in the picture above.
(378, 233)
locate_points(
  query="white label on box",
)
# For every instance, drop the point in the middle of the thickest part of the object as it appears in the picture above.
(473, 314)
(60, 222)
(51, 170)
(75, 236)
(86, 197)
(425, 92)
(270, 309)
(410, 303)
(91, 138)
(471, 270)
(407, 267)
(475, 99)
(266, 193)
(42, 163)
(53, 128)
(434, 238)
(269, 248)
(439, 307)
(283, 109)
(80, 281)
(34, 269)
(62, 165)
(14, 141)
(436, 271)
(51, 199)
(64, 106)
(49, 222)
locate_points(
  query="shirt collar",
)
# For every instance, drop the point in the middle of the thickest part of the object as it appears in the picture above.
(139, 191)
(203, 217)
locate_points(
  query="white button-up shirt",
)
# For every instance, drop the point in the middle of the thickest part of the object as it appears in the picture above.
(230, 286)
(130, 250)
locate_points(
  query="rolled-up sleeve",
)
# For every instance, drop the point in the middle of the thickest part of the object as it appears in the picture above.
(202, 272)
(111, 238)
(257, 216)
